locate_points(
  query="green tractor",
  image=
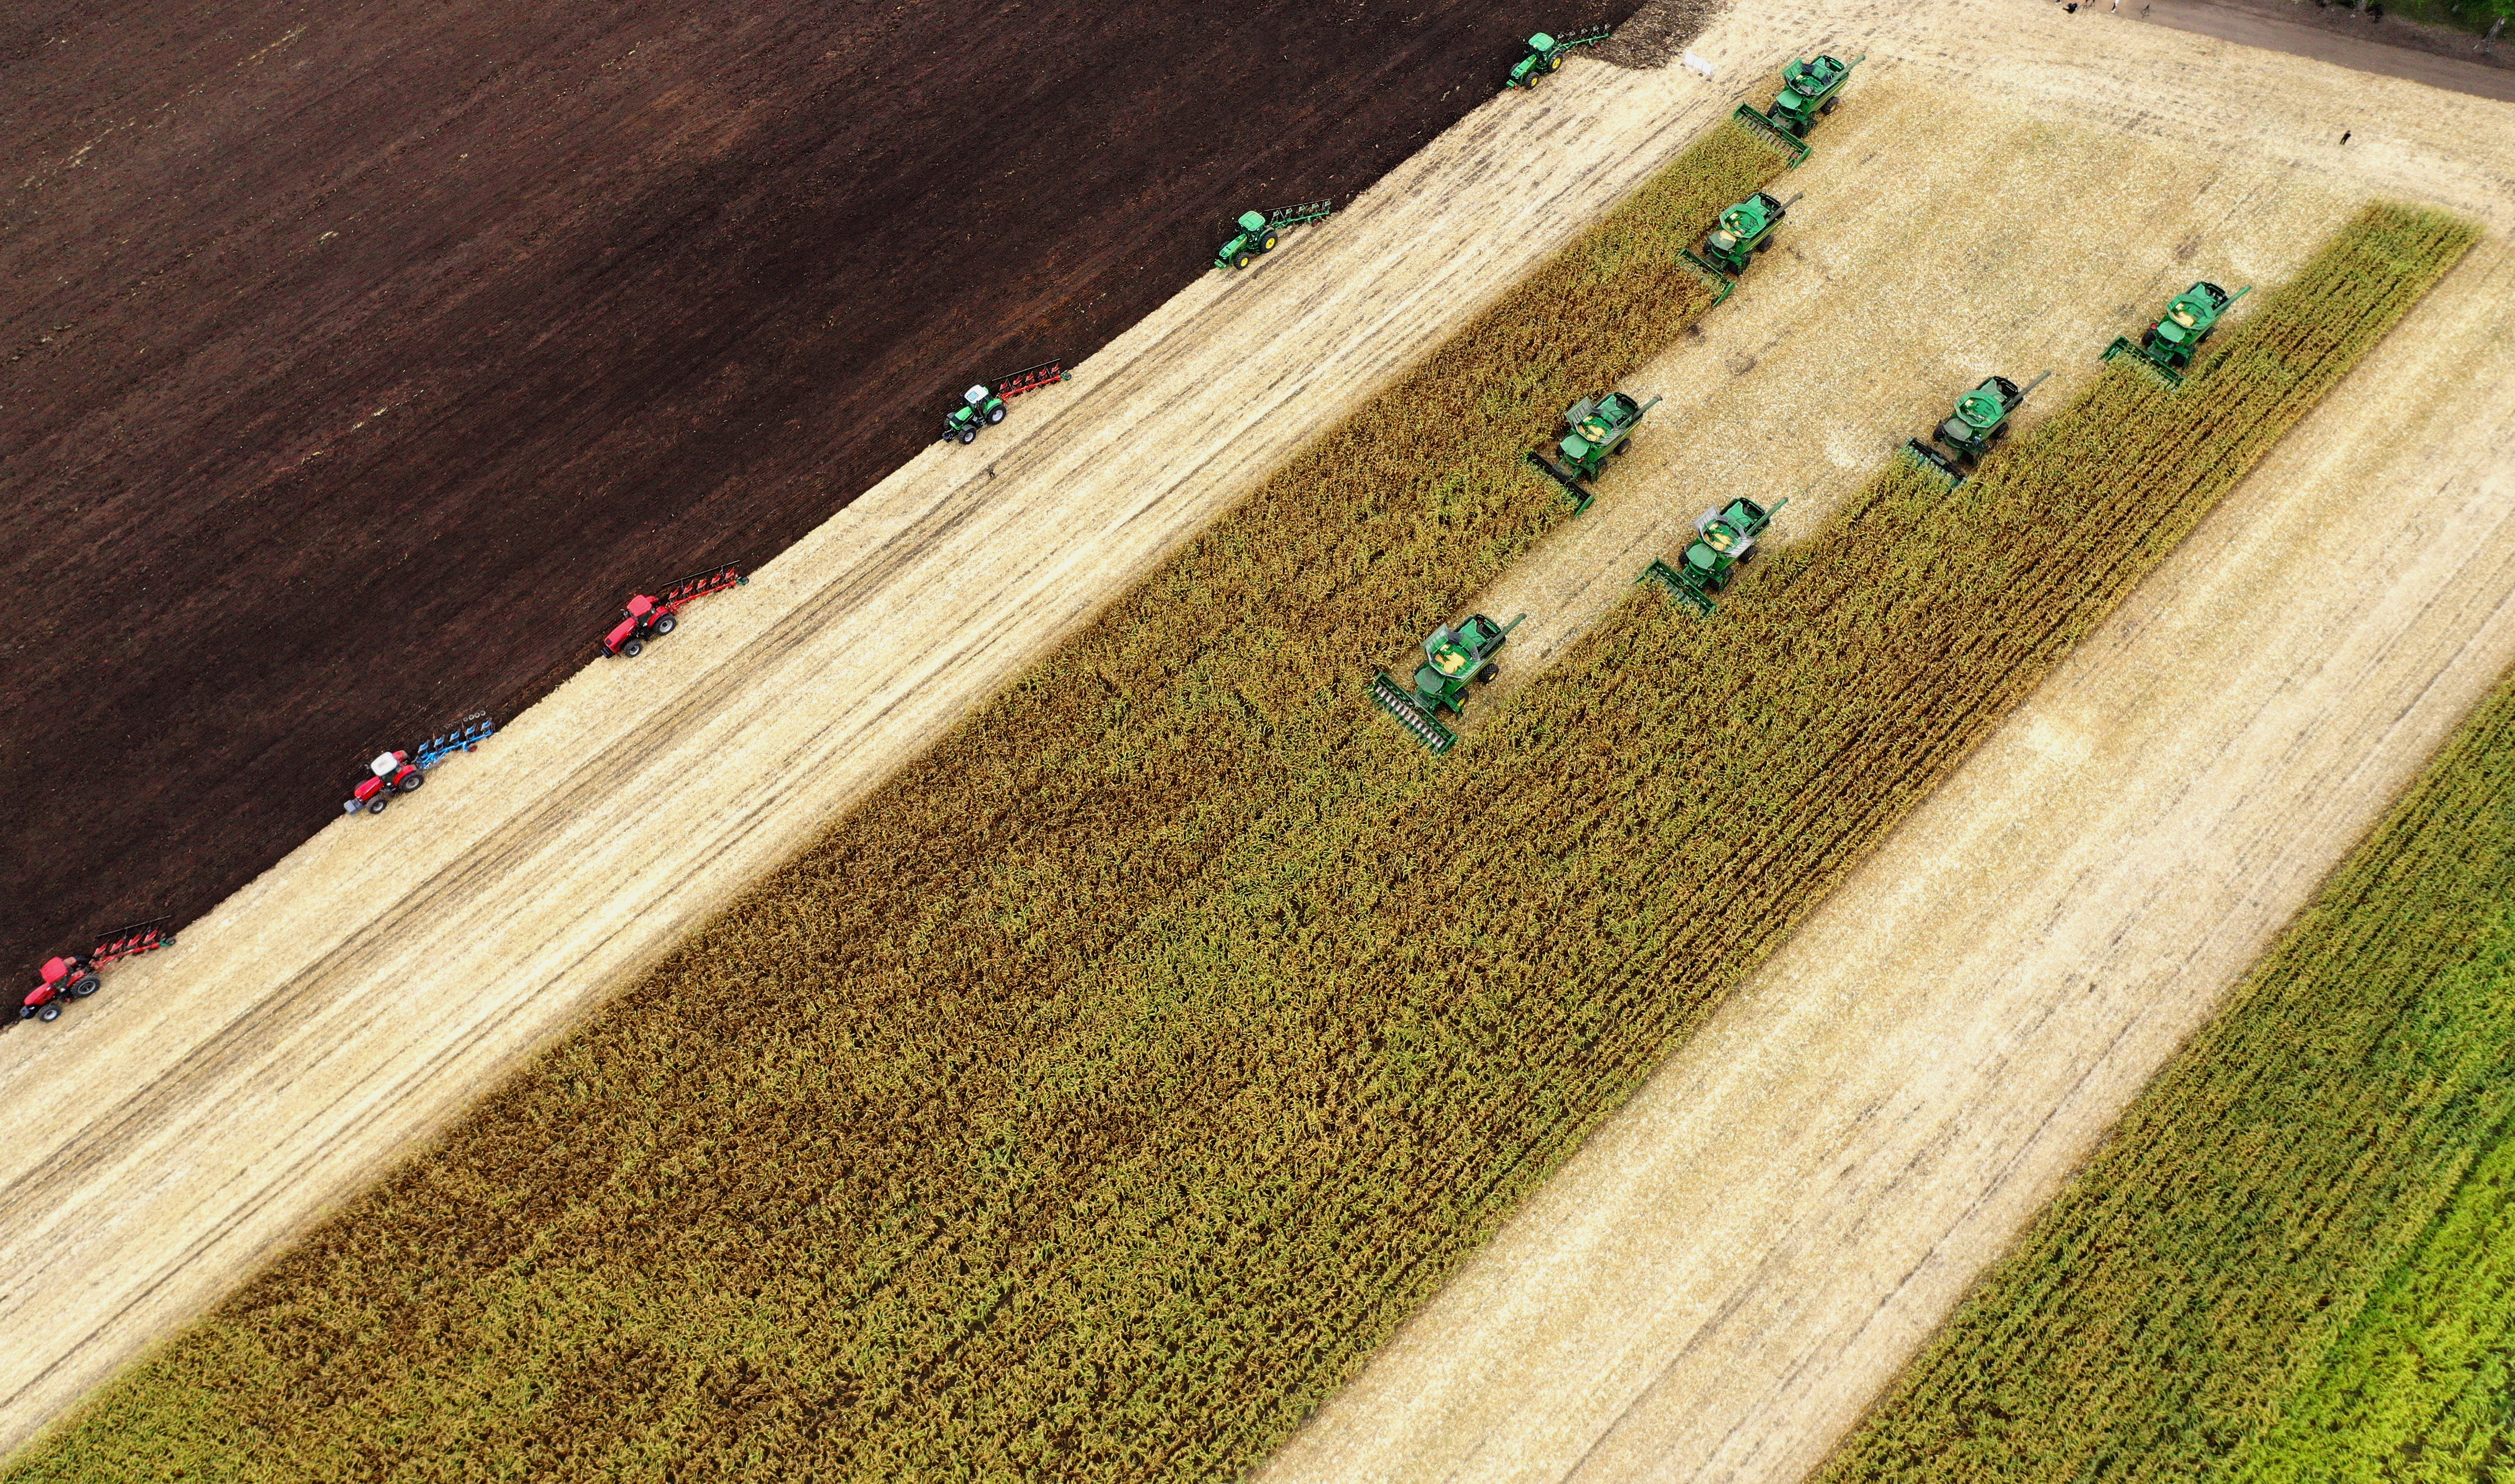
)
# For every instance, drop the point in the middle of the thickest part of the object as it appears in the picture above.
(1257, 231)
(1453, 660)
(1545, 54)
(1740, 233)
(978, 405)
(1593, 430)
(2169, 345)
(1980, 421)
(1808, 89)
(1723, 540)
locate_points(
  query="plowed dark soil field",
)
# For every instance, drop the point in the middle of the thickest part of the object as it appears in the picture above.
(358, 363)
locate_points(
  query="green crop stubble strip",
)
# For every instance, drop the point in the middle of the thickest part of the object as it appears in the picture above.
(2201, 1290)
(1135, 1221)
(2340, 1120)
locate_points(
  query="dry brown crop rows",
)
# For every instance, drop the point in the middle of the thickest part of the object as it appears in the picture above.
(2290, 1261)
(1096, 1100)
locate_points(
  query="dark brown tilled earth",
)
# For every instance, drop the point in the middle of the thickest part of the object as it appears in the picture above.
(359, 361)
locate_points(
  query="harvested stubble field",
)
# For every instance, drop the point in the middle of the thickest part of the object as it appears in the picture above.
(2292, 1260)
(969, 1174)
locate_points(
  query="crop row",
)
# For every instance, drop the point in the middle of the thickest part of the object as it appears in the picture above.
(2290, 1261)
(1095, 1101)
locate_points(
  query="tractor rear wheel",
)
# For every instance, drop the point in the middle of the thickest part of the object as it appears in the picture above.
(1827, 105)
(1487, 673)
(85, 985)
(49, 1012)
(1764, 246)
(1266, 243)
(665, 625)
(413, 781)
(995, 415)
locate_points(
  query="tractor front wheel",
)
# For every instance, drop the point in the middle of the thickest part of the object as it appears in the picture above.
(631, 649)
(1487, 673)
(665, 625)
(969, 435)
(49, 1012)
(376, 806)
(1239, 259)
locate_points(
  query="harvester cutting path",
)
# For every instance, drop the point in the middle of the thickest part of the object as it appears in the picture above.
(983, 405)
(1723, 541)
(73, 976)
(1453, 660)
(2168, 345)
(652, 615)
(1595, 427)
(1978, 424)
(1256, 231)
(1545, 54)
(1810, 88)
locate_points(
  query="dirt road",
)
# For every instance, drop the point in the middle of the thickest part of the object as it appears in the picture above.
(2431, 55)
(357, 362)
(1724, 1277)
(214, 1098)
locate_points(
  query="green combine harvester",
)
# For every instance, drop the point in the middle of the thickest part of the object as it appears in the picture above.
(1723, 540)
(1545, 54)
(2169, 345)
(1740, 233)
(1257, 231)
(1595, 428)
(1453, 660)
(1809, 89)
(1980, 421)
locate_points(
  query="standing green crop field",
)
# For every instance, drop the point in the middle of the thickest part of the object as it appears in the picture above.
(1095, 1101)
(2293, 1260)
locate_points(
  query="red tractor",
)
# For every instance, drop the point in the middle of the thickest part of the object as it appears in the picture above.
(74, 976)
(652, 616)
(390, 773)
